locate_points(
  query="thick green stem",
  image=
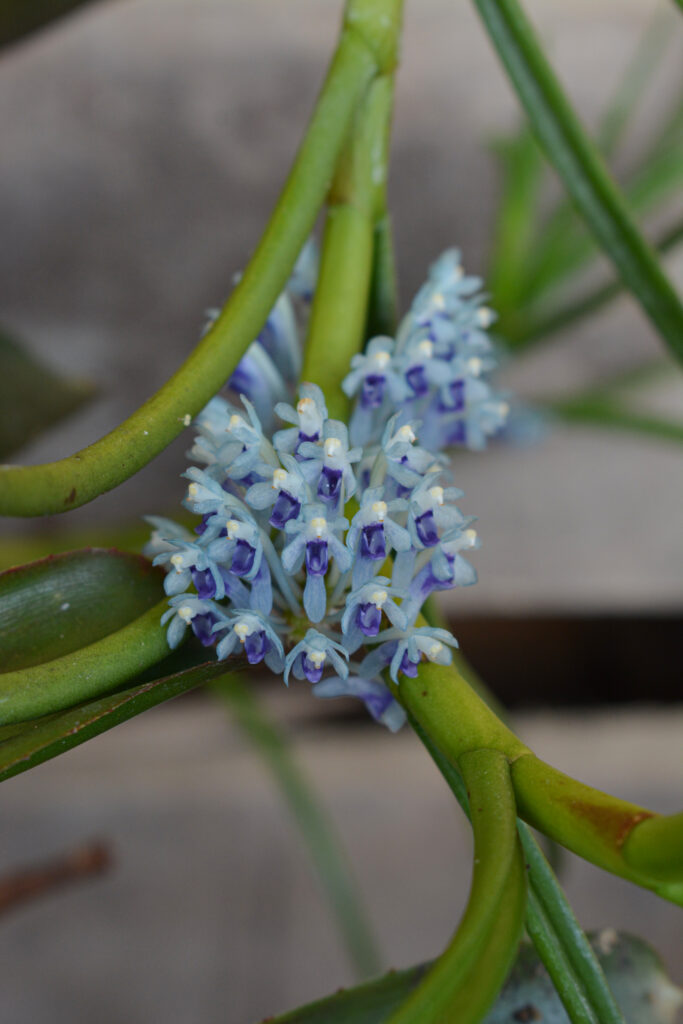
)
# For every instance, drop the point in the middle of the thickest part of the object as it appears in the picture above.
(465, 980)
(338, 318)
(592, 824)
(73, 481)
(86, 673)
(655, 847)
(561, 944)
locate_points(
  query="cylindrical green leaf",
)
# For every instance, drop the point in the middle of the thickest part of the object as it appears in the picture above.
(581, 168)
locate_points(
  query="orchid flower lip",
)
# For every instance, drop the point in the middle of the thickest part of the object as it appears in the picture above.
(344, 527)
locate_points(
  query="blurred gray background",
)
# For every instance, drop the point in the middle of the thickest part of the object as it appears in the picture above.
(143, 145)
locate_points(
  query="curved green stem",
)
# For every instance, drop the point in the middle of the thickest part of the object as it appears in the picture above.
(465, 980)
(86, 673)
(60, 486)
(592, 824)
(338, 318)
(655, 847)
(559, 940)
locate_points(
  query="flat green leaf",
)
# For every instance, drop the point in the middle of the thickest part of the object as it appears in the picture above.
(635, 972)
(54, 606)
(581, 168)
(32, 396)
(46, 738)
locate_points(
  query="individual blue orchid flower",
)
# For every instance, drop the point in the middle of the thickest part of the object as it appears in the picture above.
(364, 608)
(375, 695)
(374, 533)
(485, 414)
(232, 445)
(309, 419)
(403, 651)
(328, 465)
(255, 634)
(213, 502)
(189, 610)
(189, 563)
(308, 659)
(421, 369)
(446, 569)
(376, 381)
(432, 510)
(405, 461)
(285, 493)
(315, 541)
(427, 641)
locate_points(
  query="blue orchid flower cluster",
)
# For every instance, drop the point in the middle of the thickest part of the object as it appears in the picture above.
(319, 542)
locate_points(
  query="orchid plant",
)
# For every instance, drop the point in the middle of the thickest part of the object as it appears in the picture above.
(324, 520)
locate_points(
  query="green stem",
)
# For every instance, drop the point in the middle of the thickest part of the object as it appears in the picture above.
(590, 823)
(86, 673)
(338, 318)
(550, 922)
(383, 299)
(581, 168)
(317, 831)
(465, 980)
(655, 847)
(73, 481)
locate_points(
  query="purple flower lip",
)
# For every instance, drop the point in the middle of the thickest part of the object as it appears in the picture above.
(329, 484)
(201, 527)
(372, 392)
(201, 627)
(204, 582)
(316, 557)
(243, 559)
(312, 671)
(286, 507)
(417, 380)
(369, 619)
(309, 437)
(372, 542)
(426, 529)
(255, 647)
(458, 433)
(456, 391)
(408, 667)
